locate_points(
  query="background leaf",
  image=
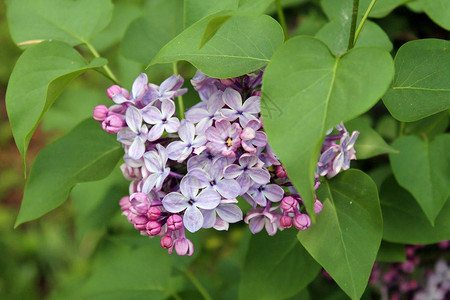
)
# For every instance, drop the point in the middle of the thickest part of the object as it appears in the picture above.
(438, 11)
(195, 10)
(308, 89)
(391, 252)
(404, 221)
(348, 230)
(421, 86)
(429, 126)
(243, 44)
(40, 75)
(423, 168)
(276, 267)
(339, 8)
(85, 154)
(73, 22)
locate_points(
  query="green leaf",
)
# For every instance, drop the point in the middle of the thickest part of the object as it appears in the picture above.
(145, 36)
(421, 86)
(317, 92)
(341, 8)
(195, 10)
(276, 267)
(391, 253)
(438, 11)
(369, 142)
(430, 126)
(243, 44)
(85, 154)
(423, 168)
(73, 22)
(404, 221)
(337, 32)
(40, 75)
(254, 6)
(212, 27)
(348, 231)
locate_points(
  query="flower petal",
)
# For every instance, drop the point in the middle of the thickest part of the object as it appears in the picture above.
(155, 132)
(228, 188)
(209, 218)
(172, 125)
(230, 213)
(134, 118)
(252, 105)
(193, 219)
(139, 85)
(167, 108)
(152, 115)
(232, 98)
(175, 202)
(273, 192)
(261, 176)
(136, 149)
(207, 199)
(186, 131)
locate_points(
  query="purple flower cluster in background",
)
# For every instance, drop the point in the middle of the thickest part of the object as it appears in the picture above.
(187, 174)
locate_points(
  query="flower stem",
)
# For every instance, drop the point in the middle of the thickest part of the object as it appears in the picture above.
(282, 19)
(401, 129)
(108, 71)
(361, 24)
(353, 25)
(198, 285)
(180, 98)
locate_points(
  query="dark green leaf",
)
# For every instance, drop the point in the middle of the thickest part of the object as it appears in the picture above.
(40, 75)
(212, 27)
(430, 126)
(423, 168)
(348, 231)
(438, 11)
(243, 44)
(85, 154)
(73, 22)
(390, 252)
(195, 10)
(342, 8)
(404, 221)
(369, 142)
(276, 267)
(307, 88)
(421, 86)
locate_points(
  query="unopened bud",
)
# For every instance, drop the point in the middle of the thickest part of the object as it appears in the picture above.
(302, 222)
(113, 90)
(154, 213)
(166, 242)
(112, 124)
(317, 207)
(288, 203)
(100, 112)
(174, 222)
(153, 228)
(286, 222)
(280, 171)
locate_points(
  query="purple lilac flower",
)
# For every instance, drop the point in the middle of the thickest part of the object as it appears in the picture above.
(135, 135)
(180, 150)
(168, 90)
(161, 120)
(261, 217)
(189, 201)
(224, 138)
(205, 116)
(248, 172)
(227, 212)
(251, 138)
(206, 86)
(266, 192)
(155, 164)
(212, 178)
(245, 112)
(137, 91)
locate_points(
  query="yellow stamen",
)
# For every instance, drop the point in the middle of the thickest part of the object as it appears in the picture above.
(228, 142)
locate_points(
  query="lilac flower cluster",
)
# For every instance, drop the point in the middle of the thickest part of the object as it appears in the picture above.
(187, 174)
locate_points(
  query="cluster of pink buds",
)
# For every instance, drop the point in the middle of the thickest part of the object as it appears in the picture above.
(189, 173)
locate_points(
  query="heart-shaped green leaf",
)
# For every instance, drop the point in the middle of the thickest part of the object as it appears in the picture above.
(421, 86)
(308, 89)
(348, 231)
(40, 75)
(404, 221)
(369, 142)
(286, 269)
(73, 22)
(438, 11)
(85, 154)
(243, 44)
(423, 168)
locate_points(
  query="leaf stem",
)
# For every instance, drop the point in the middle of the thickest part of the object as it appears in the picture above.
(363, 20)
(281, 18)
(353, 24)
(180, 98)
(108, 71)
(198, 285)
(401, 129)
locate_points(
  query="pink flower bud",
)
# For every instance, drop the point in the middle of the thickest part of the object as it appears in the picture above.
(302, 222)
(174, 222)
(153, 228)
(113, 90)
(317, 207)
(183, 246)
(125, 203)
(112, 124)
(166, 242)
(140, 203)
(100, 112)
(154, 213)
(280, 171)
(227, 82)
(288, 203)
(286, 222)
(140, 222)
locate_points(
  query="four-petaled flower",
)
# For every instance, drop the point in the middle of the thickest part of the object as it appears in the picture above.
(245, 112)
(259, 217)
(248, 172)
(161, 120)
(155, 163)
(180, 150)
(224, 138)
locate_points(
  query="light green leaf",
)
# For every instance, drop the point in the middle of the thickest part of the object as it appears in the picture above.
(404, 221)
(423, 168)
(421, 86)
(438, 11)
(212, 27)
(415, 6)
(341, 8)
(337, 32)
(40, 75)
(316, 92)
(391, 252)
(145, 36)
(369, 142)
(286, 270)
(195, 10)
(254, 6)
(243, 44)
(347, 234)
(85, 154)
(73, 22)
